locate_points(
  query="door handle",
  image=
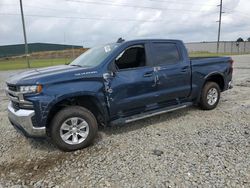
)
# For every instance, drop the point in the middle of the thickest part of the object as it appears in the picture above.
(156, 81)
(184, 69)
(148, 74)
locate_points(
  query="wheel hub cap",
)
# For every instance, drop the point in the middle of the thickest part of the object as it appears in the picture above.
(74, 130)
(212, 96)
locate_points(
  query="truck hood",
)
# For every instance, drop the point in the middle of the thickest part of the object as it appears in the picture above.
(43, 75)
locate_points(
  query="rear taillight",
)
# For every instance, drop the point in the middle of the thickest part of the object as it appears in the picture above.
(231, 62)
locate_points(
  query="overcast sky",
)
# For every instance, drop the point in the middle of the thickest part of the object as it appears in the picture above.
(92, 22)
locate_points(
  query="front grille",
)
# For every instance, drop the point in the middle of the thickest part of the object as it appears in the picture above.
(17, 99)
(13, 96)
(12, 87)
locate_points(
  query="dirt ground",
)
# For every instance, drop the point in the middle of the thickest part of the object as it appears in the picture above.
(186, 148)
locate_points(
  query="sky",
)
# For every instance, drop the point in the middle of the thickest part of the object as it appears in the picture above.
(93, 22)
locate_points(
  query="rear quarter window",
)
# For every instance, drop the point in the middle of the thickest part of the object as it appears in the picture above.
(165, 53)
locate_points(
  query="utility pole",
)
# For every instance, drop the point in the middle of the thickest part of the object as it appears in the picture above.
(219, 30)
(24, 34)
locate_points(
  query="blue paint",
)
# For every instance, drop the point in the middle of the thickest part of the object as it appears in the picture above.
(127, 92)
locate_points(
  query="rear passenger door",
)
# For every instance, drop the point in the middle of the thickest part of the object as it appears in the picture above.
(173, 72)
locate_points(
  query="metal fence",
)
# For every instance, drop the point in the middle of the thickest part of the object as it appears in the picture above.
(225, 47)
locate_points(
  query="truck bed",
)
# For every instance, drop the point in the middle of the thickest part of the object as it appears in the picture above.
(209, 60)
(203, 57)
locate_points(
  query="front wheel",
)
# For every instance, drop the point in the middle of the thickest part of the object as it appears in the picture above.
(73, 128)
(210, 96)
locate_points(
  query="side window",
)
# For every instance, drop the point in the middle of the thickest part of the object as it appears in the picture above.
(132, 57)
(165, 53)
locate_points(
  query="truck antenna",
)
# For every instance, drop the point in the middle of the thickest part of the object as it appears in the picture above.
(120, 40)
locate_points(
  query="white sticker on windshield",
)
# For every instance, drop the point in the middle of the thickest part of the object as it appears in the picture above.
(107, 49)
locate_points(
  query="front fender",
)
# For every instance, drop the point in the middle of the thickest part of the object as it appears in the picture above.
(54, 94)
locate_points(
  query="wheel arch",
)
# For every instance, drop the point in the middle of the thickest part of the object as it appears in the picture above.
(216, 77)
(89, 101)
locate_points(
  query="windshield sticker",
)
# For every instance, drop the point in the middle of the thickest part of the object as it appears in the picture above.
(107, 49)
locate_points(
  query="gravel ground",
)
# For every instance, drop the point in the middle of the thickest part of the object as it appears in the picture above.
(186, 148)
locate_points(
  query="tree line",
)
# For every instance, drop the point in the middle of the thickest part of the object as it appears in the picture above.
(242, 40)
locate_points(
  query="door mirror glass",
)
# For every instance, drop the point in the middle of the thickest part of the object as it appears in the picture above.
(108, 75)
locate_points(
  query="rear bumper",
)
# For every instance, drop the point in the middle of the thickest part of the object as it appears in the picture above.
(230, 85)
(22, 120)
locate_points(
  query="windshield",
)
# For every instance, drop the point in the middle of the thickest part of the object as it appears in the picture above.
(94, 56)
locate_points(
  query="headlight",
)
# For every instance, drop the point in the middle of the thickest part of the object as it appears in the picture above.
(31, 89)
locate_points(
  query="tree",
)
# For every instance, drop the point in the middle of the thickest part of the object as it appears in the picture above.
(240, 40)
(248, 39)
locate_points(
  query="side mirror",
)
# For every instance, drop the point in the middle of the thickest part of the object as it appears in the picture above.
(109, 75)
(112, 69)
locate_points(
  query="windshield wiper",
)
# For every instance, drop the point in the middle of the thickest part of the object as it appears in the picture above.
(76, 65)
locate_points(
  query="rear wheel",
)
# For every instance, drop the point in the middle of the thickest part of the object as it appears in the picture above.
(73, 128)
(210, 96)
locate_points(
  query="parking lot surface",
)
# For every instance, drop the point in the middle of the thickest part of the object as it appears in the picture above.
(185, 148)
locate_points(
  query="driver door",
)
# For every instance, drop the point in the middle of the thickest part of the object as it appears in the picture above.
(132, 88)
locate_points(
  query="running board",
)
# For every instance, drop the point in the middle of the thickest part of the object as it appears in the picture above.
(150, 113)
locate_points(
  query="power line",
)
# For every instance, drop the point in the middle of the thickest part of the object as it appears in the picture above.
(182, 2)
(238, 12)
(173, 2)
(81, 18)
(131, 6)
(85, 18)
(47, 8)
(39, 7)
(114, 4)
(179, 2)
(157, 1)
(111, 4)
(167, 1)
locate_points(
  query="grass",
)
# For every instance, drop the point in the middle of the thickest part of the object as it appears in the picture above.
(20, 63)
(13, 64)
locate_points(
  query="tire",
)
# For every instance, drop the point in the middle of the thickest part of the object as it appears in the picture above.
(210, 96)
(73, 128)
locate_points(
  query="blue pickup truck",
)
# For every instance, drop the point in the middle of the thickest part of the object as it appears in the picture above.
(115, 83)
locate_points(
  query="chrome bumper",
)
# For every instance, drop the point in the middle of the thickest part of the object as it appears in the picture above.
(21, 119)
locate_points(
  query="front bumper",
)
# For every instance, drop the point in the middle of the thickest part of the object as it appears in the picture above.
(22, 120)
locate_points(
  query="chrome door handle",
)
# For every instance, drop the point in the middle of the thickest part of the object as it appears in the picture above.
(156, 81)
(148, 74)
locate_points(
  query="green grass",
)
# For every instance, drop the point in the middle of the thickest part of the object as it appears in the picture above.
(13, 64)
